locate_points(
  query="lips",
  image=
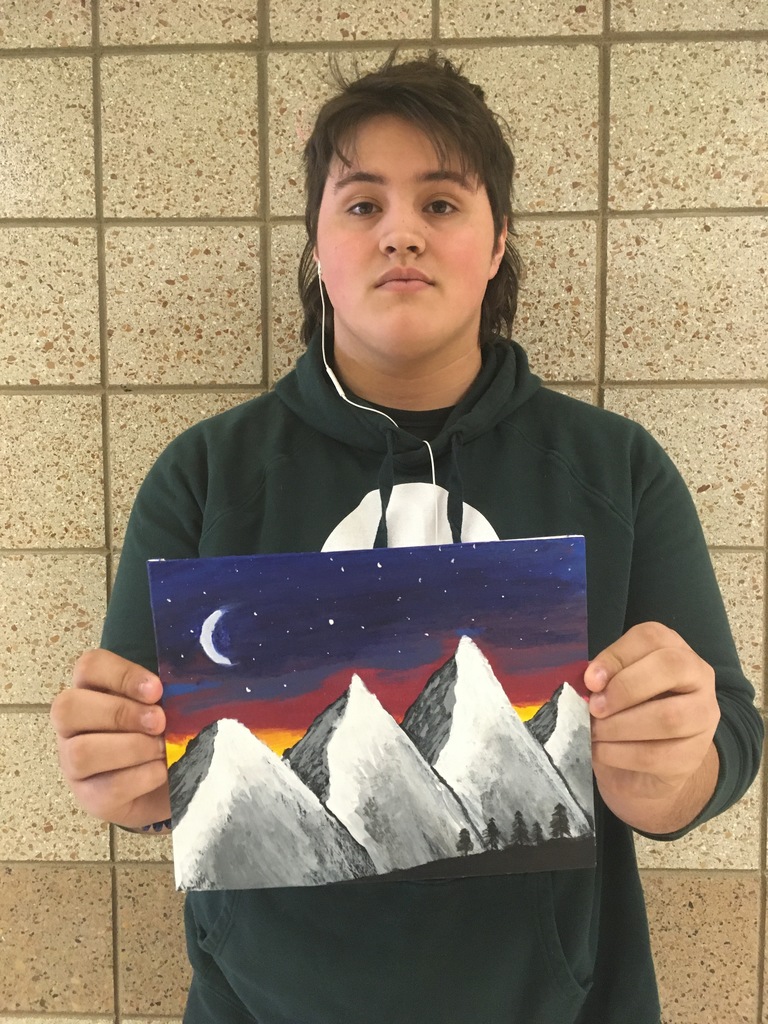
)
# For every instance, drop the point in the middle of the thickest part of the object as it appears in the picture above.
(403, 274)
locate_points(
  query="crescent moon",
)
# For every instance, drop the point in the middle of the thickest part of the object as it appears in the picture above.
(206, 638)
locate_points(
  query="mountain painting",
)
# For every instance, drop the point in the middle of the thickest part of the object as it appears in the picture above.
(337, 717)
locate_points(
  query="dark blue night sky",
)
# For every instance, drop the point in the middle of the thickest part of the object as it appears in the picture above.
(288, 623)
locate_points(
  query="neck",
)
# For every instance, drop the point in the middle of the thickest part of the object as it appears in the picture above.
(412, 387)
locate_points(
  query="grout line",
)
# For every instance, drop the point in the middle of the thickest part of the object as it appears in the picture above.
(106, 460)
(762, 911)
(476, 42)
(103, 388)
(667, 384)
(603, 164)
(589, 213)
(265, 198)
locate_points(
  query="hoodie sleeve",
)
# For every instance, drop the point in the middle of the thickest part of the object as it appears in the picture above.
(673, 581)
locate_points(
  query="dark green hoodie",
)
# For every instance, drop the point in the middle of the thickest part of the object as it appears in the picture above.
(298, 470)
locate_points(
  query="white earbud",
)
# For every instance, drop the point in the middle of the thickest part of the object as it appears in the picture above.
(319, 269)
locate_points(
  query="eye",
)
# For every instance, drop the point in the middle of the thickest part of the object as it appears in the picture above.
(441, 206)
(362, 209)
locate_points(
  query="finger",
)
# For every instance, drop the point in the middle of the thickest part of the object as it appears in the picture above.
(94, 753)
(122, 795)
(102, 670)
(632, 646)
(676, 716)
(671, 758)
(672, 670)
(88, 711)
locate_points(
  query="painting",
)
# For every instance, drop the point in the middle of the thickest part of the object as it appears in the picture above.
(338, 717)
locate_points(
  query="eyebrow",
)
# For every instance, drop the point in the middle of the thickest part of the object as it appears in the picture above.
(379, 179)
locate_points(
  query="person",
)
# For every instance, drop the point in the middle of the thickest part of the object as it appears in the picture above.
(411, 419)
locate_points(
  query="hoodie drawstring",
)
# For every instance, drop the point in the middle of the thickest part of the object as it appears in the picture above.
(386, 483)
(455, 493)
(455, 489)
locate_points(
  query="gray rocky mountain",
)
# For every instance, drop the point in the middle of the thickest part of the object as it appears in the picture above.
(367, 772)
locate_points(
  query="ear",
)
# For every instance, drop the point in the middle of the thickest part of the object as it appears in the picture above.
(498, 252)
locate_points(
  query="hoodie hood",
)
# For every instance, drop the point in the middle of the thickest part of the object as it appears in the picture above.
(502, 385)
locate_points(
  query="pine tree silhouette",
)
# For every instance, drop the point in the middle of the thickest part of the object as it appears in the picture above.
(558, 824)
(519, 836)
(492, 835)
(465, 844)
(537, 834)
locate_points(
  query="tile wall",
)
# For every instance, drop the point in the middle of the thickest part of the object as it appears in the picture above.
(150, 221)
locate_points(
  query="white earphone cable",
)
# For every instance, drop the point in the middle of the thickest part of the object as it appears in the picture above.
(366, 408)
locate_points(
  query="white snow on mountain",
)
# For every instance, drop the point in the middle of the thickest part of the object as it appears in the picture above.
(371, 777)
(467, 729)
(252, 823)
(569, 744)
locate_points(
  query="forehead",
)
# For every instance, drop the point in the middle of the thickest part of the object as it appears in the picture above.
(392, 142)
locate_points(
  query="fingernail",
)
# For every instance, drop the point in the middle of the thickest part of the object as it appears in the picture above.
(597, 704)
(600, 675)
(149, 719)
(147, 688)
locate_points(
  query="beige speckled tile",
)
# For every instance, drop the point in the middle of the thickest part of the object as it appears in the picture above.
(180, 135)
(525, 18)
(49, 316)
(51, 492)
(682, 15)
(287, 315)
(56, 953)
(133, 23)
(52, 611)
(554, 132)
(686, 298)
(717, 437)
(582, 392)
(732, 840)
(349, 20)
(704, 931)
(141, 426)
(299, 84)
(40, 818)
(47, 137)
(184, 304)
(687, 125)
(44, 23)
(150, 848)
(59, 1020)
(555, 320)
(154, 971)
(740, 575)
(151, 1020)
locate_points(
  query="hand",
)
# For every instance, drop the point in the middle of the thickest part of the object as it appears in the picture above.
(654, 714)
(111, 750)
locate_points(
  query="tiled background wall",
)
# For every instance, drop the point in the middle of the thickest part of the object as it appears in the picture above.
(150, 221)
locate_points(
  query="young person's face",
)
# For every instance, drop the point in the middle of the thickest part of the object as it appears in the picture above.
(394, 209)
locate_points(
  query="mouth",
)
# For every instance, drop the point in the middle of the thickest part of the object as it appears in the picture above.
(404, 284)
(400, 278)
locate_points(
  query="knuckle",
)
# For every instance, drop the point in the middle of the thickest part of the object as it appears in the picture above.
(61, 711)
(673, 717)
(124, 716)
(84, 665)
(76, 757)
(654, 634)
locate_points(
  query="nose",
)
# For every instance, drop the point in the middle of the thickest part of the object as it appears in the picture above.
(402, 231)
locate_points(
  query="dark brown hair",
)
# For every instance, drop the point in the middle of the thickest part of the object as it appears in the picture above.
(433, 95)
